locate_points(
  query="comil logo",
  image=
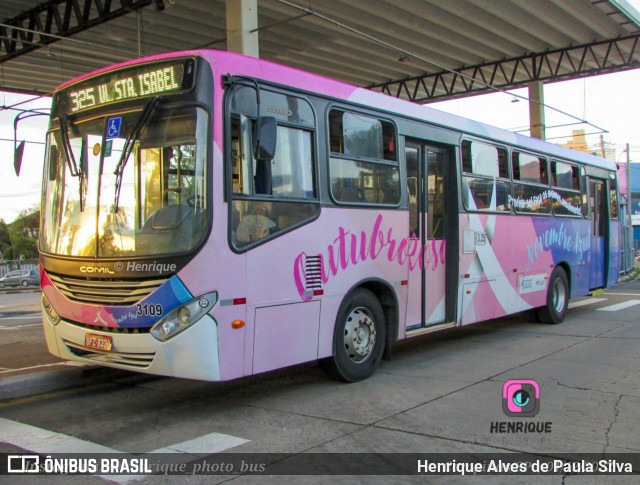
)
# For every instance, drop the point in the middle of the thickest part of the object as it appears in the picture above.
(96, 270)
(521, 398)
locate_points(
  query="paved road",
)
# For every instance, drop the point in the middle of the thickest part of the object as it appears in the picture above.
(440, 393)
(22, 346)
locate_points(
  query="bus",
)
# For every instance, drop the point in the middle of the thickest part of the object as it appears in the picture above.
(209, 216)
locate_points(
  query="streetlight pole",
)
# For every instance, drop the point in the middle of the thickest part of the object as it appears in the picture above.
(631, 245)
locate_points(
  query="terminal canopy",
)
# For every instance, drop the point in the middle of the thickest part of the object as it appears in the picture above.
(414, 49)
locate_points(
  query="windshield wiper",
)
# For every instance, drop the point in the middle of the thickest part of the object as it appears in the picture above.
(129, 143)
(74, 169)
(65, 123)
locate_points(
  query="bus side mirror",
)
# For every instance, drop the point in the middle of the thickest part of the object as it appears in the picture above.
(17, 157)
(54, 159)
(265, 143)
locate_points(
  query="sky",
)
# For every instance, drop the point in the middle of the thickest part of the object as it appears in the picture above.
(21, 193)
(610, 102)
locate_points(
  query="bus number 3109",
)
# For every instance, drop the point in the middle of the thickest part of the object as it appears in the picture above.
(149, 310)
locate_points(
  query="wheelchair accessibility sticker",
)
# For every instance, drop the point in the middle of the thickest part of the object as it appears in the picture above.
(113, 127)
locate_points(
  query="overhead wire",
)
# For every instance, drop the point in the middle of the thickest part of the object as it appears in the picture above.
(308, 11)
(406, 52)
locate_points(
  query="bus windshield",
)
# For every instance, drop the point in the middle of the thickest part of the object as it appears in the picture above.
(127, 185)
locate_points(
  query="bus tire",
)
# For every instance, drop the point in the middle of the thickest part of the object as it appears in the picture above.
(557, 298)
(359, 337)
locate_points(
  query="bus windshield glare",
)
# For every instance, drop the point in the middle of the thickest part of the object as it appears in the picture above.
(152, 203)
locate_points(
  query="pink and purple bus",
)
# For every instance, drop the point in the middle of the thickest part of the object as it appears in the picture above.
(210, 216)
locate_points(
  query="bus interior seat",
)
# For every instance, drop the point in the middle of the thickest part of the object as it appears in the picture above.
(169, 229)
(167, 218)
(348, 192)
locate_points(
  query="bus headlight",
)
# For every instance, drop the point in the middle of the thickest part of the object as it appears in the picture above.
(51, 314)
(183, 317)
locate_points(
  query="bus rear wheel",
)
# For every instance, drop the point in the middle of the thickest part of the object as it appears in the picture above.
(557, 298)
(359, 337)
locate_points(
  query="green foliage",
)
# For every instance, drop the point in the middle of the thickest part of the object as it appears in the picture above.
(23, 235)
(6, 250)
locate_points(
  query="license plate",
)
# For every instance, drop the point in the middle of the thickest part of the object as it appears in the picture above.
(98, 342)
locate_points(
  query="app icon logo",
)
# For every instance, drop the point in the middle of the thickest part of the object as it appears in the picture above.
(521, 398)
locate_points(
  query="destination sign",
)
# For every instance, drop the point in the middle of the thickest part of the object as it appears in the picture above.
(127, 84)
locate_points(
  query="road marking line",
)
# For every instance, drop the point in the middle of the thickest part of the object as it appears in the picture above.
(4, 327)
(591, 301)
(43, 441)
(622, 294)
(209, 443)
(70, 364)
(27, 317)
(619, 306)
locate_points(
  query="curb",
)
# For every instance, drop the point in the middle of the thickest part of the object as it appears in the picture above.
(27, 385)
(11, 290)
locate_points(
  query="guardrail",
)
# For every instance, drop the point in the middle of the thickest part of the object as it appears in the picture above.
(19, 289)
(8, 265)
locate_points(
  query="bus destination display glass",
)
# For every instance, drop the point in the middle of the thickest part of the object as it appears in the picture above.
(127, 85)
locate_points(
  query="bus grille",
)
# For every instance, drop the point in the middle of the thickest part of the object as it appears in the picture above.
(128, 359)
(105, 292)
(114, 330)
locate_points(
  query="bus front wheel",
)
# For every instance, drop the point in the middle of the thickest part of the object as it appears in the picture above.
(359, 337)
(557, 298)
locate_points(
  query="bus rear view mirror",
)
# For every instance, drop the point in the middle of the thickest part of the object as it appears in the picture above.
(267, 131)
(17, 157)
(54, 159)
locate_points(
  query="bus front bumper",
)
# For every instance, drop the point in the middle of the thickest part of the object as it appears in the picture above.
(191, 354)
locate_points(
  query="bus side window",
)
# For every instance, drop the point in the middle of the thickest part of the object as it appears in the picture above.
(565, 180)
(363, 164)
(530, 183)
(486, 184)
(271, 196)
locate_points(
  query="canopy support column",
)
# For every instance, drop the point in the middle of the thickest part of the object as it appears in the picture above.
(242, 25)
(536, 110)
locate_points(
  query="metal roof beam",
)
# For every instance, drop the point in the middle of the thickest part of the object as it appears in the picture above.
(56, 19)
(557, 65)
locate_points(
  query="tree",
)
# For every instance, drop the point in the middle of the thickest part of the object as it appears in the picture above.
(23, 233)
(6, 251)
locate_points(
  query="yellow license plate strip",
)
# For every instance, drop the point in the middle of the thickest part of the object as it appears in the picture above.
(98, 342)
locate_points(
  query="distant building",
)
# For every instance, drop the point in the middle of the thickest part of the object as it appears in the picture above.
(635, 202)
(578, 142)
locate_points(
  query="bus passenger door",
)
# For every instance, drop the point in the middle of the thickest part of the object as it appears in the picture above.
(426, 190)
(599, 224)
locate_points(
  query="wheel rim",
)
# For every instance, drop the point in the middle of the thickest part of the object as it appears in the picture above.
(359, 335)
(559, 296)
